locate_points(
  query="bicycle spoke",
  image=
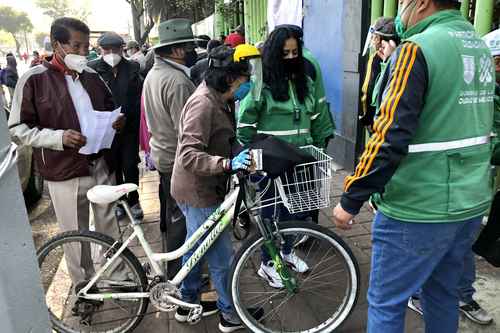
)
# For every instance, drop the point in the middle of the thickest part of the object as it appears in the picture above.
(321, 276)
(66, 309)
(324, 293)
(278, 307)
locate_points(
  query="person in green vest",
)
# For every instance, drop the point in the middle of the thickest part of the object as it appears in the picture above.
(381, 33)
(288, 108)
(427, 166)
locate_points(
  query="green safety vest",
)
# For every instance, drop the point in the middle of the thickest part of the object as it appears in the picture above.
(446, 176)
(297, 123)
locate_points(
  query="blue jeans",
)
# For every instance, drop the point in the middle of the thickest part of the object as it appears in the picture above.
(407, 257)
(466, 289)
(219, 258)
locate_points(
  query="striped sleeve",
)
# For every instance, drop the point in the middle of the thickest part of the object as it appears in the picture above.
(23, 120)
(394, 127)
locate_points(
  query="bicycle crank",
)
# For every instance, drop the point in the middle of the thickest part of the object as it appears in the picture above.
(161, 296)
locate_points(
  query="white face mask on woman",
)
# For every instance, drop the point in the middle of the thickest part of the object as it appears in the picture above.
(74, 62)
(112, 59)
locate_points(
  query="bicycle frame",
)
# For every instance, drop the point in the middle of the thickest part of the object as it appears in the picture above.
(222, 218)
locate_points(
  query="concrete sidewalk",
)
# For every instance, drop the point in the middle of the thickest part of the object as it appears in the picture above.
(358, 238)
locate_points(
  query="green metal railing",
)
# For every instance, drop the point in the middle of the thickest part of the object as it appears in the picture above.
(484, 16)
(251, 13)
(390, 8)
(255, 20)
(483, 10)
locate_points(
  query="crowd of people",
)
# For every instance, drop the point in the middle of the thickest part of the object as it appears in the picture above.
(189, 100)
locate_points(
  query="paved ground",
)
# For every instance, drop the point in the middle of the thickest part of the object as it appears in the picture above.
(488, 282)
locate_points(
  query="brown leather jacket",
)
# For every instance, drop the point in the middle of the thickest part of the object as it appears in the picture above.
(42, 109)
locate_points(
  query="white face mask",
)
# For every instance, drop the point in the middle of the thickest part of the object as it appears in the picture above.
(112, 59)
(75, 62)
(130, 53)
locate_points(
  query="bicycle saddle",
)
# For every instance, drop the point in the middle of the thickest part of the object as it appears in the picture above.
(106, 194)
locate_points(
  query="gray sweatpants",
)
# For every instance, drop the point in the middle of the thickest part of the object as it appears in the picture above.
(73, 213)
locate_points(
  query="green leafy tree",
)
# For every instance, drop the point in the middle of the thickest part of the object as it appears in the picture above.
(15, 23)
(60, 8)
(195, 10)
(145, 13)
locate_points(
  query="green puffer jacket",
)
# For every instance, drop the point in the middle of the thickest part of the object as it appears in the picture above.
(297, 123)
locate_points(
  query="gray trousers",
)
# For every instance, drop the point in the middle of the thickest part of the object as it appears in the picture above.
(73, 213)
(172, 223)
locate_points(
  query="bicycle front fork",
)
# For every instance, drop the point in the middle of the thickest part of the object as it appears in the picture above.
(269, 232)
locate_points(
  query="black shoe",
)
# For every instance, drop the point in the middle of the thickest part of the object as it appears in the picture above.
(209, 309)
(475, 313)
(120, 212)
(228, 326)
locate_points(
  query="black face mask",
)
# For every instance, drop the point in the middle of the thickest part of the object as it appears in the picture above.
(190, 58)
(292, 65)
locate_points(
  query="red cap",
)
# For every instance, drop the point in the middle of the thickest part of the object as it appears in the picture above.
(234, 40)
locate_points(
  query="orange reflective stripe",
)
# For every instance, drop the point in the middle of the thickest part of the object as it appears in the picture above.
(374, 139)
(364, 89)
(393, 110)
(385, 119)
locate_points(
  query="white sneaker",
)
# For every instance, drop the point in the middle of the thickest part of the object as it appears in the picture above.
(268, 273)
(474, 312)
(298, 264)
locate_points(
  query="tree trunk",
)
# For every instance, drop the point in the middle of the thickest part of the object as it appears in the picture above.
(145, 34)
(18, 45)
(136, 20)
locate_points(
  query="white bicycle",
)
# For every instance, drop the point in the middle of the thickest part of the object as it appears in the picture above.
(116, 290)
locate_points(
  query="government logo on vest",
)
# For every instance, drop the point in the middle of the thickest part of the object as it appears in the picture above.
(469, 68)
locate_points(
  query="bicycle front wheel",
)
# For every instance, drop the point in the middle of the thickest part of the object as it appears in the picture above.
(67, 264)
(327, 291)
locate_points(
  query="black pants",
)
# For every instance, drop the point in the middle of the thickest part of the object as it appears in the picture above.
(491, 232)
(126, 154)
(172, 223)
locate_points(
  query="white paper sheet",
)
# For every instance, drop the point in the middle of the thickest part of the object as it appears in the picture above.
(97, 127)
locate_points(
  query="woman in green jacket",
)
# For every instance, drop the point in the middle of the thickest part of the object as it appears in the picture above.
(288, 109)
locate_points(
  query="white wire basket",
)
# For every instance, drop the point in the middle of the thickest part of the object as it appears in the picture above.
(308, 186)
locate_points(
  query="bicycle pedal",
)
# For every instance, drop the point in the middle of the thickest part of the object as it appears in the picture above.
(195, 315)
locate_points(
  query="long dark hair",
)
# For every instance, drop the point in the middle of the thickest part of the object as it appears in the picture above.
(275, 75)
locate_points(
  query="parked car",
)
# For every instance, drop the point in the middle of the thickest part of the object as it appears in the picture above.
(31, 180)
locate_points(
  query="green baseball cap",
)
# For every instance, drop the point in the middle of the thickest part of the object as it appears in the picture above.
(175, 31)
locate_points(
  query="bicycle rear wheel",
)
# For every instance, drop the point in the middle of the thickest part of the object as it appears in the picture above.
(326, 294)
(61, 282)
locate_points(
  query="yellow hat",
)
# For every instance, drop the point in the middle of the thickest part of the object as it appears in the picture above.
(244, 52)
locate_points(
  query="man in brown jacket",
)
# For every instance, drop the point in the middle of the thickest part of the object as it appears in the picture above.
(166, 89)
(48, 104)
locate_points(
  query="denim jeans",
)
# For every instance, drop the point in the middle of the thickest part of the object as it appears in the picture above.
(219, 258)
(466, 289)
(407, 257)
